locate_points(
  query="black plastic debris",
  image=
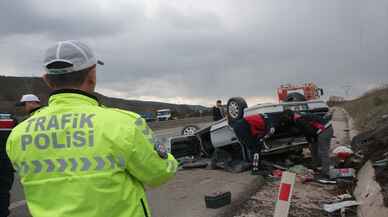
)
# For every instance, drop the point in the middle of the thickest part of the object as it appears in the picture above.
(195, 165)
(218, 199)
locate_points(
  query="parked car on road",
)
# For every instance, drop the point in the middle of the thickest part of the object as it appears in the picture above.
(163, 114)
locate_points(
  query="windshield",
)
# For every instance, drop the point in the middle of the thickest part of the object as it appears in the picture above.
(5, 116)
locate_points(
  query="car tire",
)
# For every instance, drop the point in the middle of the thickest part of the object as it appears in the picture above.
(295, 97)
(235, 108)
(189, 130)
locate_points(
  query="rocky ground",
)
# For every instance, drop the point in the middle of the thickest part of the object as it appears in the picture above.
(306, 200)
(373, 146)
(370, 115)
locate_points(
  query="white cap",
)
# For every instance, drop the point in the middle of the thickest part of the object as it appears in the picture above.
(75, 53)
(28, 98)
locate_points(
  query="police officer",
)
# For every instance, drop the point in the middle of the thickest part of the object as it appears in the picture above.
(78, 158)
(318, 131)
(30, 103)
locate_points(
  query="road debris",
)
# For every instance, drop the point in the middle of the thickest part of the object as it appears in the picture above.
(299, 170)
(271, 164)
(342, 173)
(373, 145)
(218, 199)
(277, 174)
(343, 152)
(324, 181)
(306, 201)
(381, 163)
(338, 206)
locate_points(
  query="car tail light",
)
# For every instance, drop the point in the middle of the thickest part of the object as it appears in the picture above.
(7, 124)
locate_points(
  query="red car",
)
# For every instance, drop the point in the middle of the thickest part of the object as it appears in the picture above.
(7, 122)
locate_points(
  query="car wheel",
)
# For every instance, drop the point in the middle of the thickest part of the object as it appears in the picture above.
(295, 97)
(235, 108)
(189, 130)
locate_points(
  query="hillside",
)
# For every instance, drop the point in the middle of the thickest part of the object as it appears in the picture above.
(12, 88)
(370, 113)
(369, 109)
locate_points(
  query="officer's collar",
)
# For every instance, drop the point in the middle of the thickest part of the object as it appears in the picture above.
(35, 109)
(90, 97)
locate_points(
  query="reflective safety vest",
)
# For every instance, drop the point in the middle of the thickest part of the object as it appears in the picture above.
(76, 158)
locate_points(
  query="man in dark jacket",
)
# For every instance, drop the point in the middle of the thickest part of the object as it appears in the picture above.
(318, 131)
(6, 170)
(218, 111)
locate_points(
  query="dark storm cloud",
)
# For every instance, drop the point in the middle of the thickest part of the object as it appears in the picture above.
(201, 49)
(60, 19)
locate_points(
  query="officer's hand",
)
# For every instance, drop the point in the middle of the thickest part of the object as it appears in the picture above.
(161, 150)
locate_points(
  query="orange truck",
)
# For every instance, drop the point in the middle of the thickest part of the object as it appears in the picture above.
(291, 93)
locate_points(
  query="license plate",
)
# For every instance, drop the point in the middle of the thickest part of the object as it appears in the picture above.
(301, 107)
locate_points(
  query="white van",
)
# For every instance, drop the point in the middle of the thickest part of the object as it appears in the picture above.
(163, 114)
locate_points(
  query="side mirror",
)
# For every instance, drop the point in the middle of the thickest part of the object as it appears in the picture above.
(321, 90)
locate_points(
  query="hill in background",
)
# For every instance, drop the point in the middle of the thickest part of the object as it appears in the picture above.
(12, 88)
(370, 109)
(370, 113)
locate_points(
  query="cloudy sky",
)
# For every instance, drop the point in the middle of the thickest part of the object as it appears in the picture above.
(196, 51)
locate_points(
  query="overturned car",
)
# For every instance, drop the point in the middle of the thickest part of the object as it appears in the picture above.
(220, 135)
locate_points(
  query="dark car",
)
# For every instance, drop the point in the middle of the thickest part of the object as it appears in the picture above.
(7, 122)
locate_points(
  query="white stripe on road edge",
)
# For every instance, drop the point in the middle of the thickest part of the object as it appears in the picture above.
(17, 204)
(285, 193)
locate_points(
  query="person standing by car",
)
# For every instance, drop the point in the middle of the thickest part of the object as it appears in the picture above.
(7, 122)
(318, 131)
(30, 103)
(78, 158)
(251, 131)
(218, 111)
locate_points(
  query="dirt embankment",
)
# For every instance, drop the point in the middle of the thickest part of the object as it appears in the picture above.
(373, 145)
(370, 113)
(368, 110)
